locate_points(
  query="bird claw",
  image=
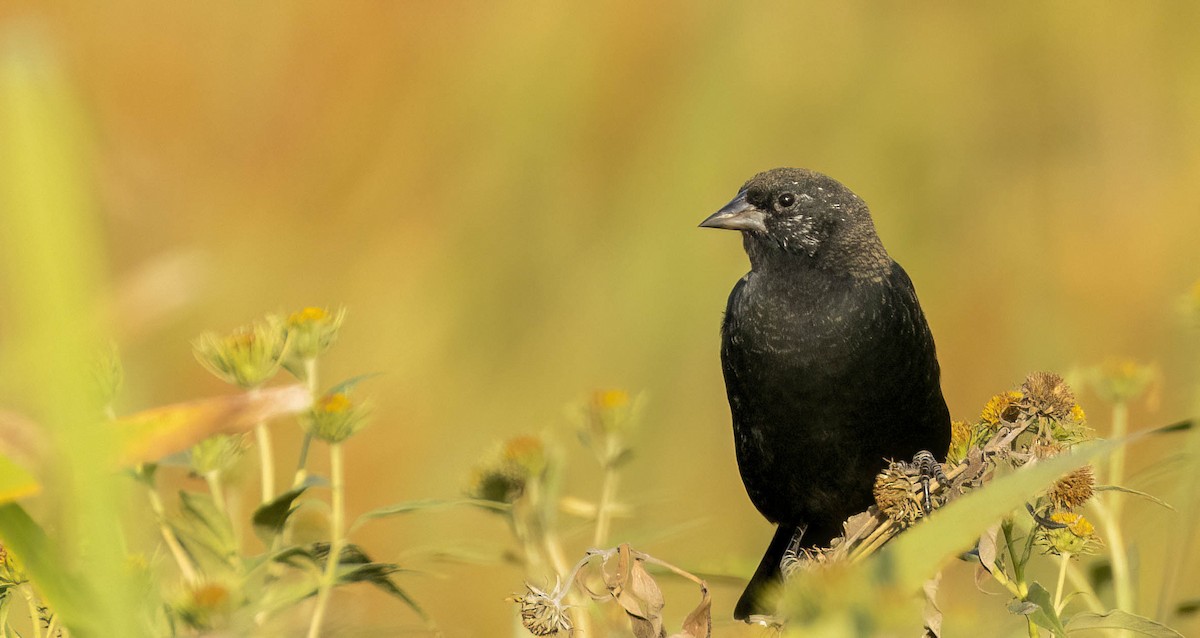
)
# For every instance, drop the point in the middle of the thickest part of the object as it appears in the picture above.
(929, 469)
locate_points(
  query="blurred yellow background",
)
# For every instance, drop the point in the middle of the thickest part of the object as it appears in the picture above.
(505, 196)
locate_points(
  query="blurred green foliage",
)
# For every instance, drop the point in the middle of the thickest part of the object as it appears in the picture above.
(505, 195)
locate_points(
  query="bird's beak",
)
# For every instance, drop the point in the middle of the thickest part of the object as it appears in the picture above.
(738, 214)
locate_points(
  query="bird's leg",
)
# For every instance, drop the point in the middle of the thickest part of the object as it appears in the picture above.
(928, 469)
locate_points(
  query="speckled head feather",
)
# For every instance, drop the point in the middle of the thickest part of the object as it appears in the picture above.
(794, 216)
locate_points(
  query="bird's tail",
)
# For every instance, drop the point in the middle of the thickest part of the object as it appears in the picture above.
(762, 592)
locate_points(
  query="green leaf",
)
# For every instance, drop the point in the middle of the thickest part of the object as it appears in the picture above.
(1126, 490)
(1044, 615)
(270, 518)
(427, 504)
(25, 539)
(349, 384)
(205, 532)
(1117, 619)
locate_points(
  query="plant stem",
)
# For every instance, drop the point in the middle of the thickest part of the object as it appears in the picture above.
(1064, 559)
(1082, 586)
(1109, 511)
(213, 479)
(266, 461)
(608, 494)
(310, 377)
(181, 558)
(336, 523)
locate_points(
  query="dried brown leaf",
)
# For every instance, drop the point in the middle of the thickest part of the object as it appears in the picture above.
(698, 624)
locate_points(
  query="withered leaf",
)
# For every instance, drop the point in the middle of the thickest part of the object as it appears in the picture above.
(698, 624)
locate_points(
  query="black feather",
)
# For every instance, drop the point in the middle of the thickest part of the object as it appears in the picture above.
(829, 364)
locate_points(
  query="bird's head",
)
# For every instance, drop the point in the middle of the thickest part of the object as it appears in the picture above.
(795, 213)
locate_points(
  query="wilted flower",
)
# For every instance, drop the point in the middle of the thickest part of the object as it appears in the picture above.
(217, 453)
(1078, 536)
(310, 332)
(1002, 408)
(1046, 394)
(1074, 489)
(503, 477)
(247, 358)
(334, 418)
(1120, 380)
(542, 614)
(897, 496)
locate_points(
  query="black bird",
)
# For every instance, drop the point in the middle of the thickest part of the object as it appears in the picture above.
(829, 364)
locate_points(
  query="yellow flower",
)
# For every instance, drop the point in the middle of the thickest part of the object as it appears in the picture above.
(311, 332)
(503, 475)
(334, 418)
(1078, 536)
(248, 357)
(960, 442)
(1077, 413)
(1002, 407)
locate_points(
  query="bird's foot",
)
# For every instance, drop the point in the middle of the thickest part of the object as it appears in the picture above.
(929, 469)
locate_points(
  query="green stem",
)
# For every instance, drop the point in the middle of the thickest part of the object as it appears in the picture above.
(337, 487)
(213, 479)
(1109, 512)
(310, 377)
(608, 494)
(181, 558)
(1064, 559)
(266, 461)
(1082, 586)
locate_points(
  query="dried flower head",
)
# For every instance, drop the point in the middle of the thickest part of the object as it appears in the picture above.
(218, 453)
(1078, 536)
(897, 496)
(310, 332)
(248, 357)
(334, 418)
(1046, 394)
(1074, 489)
(542, 614)
(503, 476)
(1002, 408)
(1121, 380)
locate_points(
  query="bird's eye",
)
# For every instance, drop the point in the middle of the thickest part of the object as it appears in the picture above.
(786, 200)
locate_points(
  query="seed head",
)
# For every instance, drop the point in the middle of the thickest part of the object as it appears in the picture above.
(1074, 489)
(248, 357)
(334, 418)
(897, 496)
(542, 614)
(1046, 394)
